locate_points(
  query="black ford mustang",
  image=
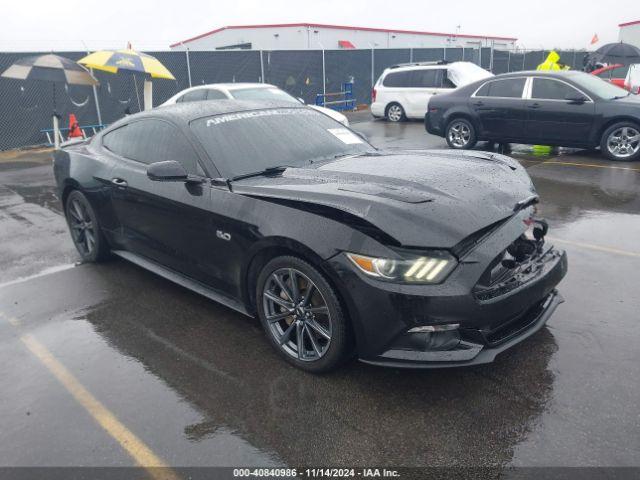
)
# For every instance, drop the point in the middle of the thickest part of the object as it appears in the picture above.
(415, 258)
(570, 109)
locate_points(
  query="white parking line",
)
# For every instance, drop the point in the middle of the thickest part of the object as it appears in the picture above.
(46, 271)
(598, 248)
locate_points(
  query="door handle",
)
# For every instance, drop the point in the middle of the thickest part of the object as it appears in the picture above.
(478, 104)
(534, 105)
(119, 182)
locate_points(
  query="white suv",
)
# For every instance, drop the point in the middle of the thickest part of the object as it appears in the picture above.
(403, 91)
(246, 91)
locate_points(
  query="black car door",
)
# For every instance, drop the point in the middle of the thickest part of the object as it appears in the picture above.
(499, 108)
(555, 114)
(167, 222)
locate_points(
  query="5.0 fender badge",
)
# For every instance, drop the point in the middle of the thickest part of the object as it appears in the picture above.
(223, 235)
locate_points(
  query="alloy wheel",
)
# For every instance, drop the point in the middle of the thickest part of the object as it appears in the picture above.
(395, 113)
(82, 228)
(459, 134)
(624, 142)
(297, 314)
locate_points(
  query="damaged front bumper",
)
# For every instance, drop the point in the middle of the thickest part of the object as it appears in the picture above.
(470, 349)
(480, 311)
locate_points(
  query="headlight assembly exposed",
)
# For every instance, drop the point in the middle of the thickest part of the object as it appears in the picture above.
(430, 269)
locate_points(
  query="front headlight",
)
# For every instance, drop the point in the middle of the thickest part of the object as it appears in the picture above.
(432, 268)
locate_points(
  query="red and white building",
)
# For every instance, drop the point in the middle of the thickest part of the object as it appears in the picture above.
(630, 33)
(312, 36)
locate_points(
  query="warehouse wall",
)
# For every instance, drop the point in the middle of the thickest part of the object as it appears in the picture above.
(631, 34)
(317, 38)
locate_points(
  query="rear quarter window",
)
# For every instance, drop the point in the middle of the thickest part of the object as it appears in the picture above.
(505, 88)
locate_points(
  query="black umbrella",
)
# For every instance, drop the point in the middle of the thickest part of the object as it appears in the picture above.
(54, 69)
(617, 53)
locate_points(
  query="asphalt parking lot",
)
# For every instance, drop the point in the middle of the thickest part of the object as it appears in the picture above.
(109, 365)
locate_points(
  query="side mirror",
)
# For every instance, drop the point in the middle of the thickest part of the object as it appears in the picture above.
(169, 171)
(575, 98)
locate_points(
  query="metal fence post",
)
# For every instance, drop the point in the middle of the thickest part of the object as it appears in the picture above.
(444, 54)
(188, 66)
(373, 65)
(261, 68)
(491, 58)
(411, 55)
(508, 61)
(324, 76)
(95, 98)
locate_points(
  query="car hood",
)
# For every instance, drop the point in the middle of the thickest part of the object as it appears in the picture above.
(464, 73)
(429, 199)
(631, 100)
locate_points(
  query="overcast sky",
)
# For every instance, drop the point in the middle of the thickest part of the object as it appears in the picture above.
(38, 25)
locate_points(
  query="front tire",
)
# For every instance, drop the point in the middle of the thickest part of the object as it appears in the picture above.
(395, 113)
(301, 315)
(84, 227)
(461, 134)
(621, 142)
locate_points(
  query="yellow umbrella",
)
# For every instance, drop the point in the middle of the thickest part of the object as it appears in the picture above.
(113, 61)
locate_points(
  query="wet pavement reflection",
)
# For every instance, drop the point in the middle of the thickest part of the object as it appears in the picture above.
(201, 385)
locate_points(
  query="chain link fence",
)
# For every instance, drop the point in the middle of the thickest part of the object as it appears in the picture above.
(26, 106)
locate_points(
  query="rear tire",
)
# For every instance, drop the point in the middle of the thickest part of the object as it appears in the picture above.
(395, 113)
(460, 134)
(301, 315)
(84, 227)
(621, 142)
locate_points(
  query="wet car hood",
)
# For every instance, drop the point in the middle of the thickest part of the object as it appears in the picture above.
(631, 100)
(420, 198)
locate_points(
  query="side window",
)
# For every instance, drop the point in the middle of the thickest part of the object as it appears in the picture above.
(115, 140)
(397, 79)
(483, 91)
(507, 88)
(431, 78)
(194, 96)
(149, 141)
(547, 89)
(213, 94)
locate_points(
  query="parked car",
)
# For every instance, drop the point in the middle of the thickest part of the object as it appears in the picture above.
(407, 259)
(632, 81)
(403, 91)
(246, 91)
(610, 72)
(562, 108)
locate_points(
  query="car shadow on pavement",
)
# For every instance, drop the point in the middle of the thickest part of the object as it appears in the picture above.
(221, 363)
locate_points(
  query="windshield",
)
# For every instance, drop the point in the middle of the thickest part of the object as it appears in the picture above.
(248, 142)
(263, 94)
(598, 86)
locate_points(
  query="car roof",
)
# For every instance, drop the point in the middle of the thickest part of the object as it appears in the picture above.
(419, 66)
(185, 112)
(230, 86)
(541, 73)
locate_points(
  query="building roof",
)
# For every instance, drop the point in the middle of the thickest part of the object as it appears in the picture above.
(628, 24)
(340, 27)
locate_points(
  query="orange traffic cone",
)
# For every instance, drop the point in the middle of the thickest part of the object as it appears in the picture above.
(74, 127)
